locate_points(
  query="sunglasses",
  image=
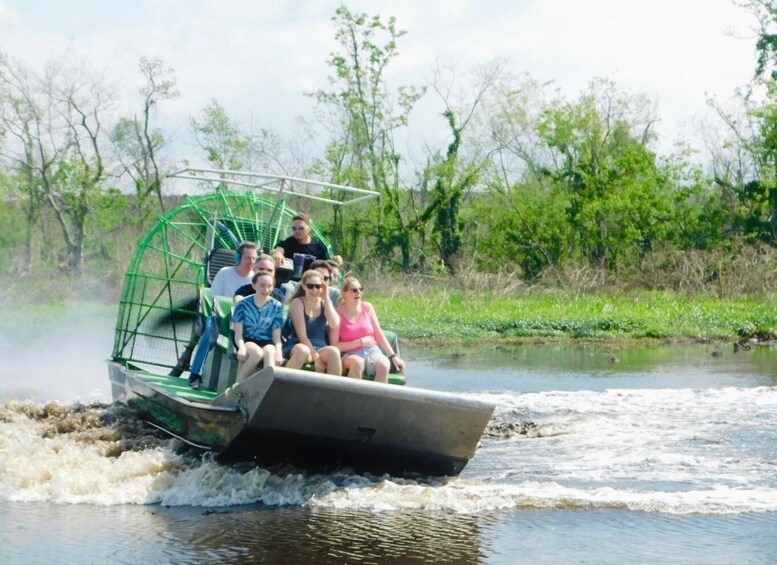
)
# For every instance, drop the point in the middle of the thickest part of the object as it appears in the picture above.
(356, 289)
(298, 228)
(313, 286)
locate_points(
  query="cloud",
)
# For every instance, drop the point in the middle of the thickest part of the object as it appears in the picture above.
(258, 58)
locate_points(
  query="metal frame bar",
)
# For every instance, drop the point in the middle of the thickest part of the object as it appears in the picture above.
(286, 184)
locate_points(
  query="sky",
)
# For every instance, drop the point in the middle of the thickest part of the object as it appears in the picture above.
(258, 57)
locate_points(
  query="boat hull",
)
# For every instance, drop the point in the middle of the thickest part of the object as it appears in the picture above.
(319, 422)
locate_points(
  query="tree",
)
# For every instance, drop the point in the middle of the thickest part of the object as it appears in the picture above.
(765, 12)
(18, 120)
(362, 151)
(744, 164)
(454, 175)
(137, 143)
(224, 142)
(618, 205)
(57, 121)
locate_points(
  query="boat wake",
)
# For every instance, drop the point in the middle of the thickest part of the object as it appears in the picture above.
(506, 426)
(104, 455)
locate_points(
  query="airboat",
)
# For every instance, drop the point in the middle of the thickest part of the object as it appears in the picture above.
(277, 416)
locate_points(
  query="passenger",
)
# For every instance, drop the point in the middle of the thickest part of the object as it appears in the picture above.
(334, 269)
(225, 283)
(258, 322)
(360, 336)
(300, 241)
(325, 268)
(334, 277)
(311, 318)
(263, 263)
(229, 279)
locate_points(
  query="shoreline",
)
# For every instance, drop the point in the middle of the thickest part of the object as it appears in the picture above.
(443, 319)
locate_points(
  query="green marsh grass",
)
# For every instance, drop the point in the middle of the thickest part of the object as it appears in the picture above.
(440, 312)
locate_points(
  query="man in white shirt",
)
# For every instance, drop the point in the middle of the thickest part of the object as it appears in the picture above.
(229, 279)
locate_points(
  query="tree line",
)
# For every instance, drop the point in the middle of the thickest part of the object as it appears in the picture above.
(529, 181)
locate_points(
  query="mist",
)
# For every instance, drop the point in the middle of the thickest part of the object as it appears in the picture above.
(59, 356)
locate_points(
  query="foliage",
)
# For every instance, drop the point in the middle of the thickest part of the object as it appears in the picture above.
(138, 144)
(441, 313)
(617, 203)
(224, 142)
(362, 151)
(560, 191)
(765, 12)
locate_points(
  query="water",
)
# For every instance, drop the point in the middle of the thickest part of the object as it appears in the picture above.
(648, 455)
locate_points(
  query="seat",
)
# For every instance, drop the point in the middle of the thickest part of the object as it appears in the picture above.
(217, 260)
(221, 367)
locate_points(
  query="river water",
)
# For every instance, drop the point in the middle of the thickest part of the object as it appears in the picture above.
(648, 455)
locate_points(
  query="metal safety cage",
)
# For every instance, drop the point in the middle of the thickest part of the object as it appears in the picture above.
(157, 319)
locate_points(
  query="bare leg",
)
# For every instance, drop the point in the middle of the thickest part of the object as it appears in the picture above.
(300, 354)
(354, 365)
(269, 355)
(382, 369)
(254, 353)
(329, 361)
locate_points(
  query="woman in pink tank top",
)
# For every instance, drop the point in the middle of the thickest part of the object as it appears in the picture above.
(360, 337)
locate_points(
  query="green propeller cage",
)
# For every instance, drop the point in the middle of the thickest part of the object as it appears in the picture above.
(159, 302)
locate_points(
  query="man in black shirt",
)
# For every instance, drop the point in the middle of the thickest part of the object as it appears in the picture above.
(300, 242)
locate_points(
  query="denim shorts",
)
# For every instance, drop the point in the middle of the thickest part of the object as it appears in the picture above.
(369, 354)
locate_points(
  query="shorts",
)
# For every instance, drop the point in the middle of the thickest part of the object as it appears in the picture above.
(289, 345)
(259, 342)
(369, 354)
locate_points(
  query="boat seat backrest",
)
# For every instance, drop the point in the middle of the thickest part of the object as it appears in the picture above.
(217, 260)
(223, 305)
(224, 310)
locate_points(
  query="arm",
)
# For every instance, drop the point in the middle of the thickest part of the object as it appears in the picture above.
(381, 338)
(276, 339)
(332, 322)
(278, 255)
(241, 344)
(334, 337)
(332, 318)
(297, 314)
(277, 324)
(215, 287)
(345, 346)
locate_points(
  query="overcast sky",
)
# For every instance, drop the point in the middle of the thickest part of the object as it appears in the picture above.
(257, 57)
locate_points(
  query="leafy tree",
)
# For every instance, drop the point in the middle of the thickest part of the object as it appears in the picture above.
(57, 121)
(522, 228)
(765, 12)
(362, 151)
(138, 144)
(617, 206)
(226, 145)
(744, 164)
(455, 174)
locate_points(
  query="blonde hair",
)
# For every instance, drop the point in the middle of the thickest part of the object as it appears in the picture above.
(343, 289)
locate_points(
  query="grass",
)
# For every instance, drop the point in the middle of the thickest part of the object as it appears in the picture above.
(441, 315)
(452, 310)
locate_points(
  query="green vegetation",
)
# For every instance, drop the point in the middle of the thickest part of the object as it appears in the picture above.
(563, 192)
(438, 315)
(444, 316)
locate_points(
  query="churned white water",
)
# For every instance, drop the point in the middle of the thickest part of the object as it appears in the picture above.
(659, 455)
(676, 451)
